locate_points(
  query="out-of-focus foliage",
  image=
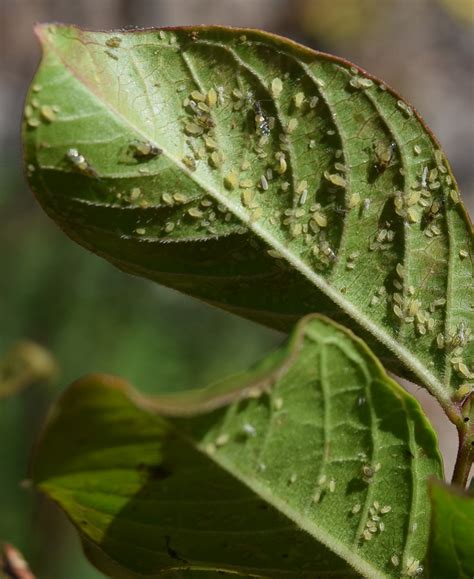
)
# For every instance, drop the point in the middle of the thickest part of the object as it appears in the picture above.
(91, 317)
(342, 21)
(462, 9)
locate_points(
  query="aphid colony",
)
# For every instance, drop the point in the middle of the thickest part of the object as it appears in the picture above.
(374, 523)
(455, 343)
(271, 141)
(324, 484)
(409, 309)
(425, 199)
(304, 220)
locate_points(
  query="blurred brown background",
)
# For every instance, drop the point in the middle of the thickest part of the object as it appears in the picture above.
(93, 318)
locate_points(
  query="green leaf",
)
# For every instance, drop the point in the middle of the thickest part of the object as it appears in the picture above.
(262, 177)
(281, 480)
(452, 531)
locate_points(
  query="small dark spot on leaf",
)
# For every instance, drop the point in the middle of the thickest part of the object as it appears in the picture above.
(172, 552)
(155, 471)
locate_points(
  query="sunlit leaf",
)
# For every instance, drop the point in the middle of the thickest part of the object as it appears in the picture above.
(313, 463)
(259, 176)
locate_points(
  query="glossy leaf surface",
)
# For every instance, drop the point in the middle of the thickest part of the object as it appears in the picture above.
(313, 463)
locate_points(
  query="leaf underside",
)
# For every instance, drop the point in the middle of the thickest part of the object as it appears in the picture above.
(316, 465)
(259, 176)
(452, 532)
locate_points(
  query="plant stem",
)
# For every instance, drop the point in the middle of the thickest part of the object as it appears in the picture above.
(464, 458)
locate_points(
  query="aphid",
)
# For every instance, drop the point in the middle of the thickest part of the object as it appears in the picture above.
(113, 42)
(354, 200)
(335, 179)
(385, 509)
(282, 165)
(264, 183)
(80, 163)
(384, 155)
(277, 87)
(222, 439)
(332, 485)
(144, 150)
(417, 149)
(292, 479)
(210, 448)
(211, 97)
(405, 108)
(292, 124)
(140, 231)
(356, 508)
(368, 471)
(454, 195)
(195, 212)
(413, 567)
(135, 193)
(395, 560)
(278, 403)
(193, 129)
(189, 162)
(299, 99)
(48, 114)
(367, 535)
(231, 180)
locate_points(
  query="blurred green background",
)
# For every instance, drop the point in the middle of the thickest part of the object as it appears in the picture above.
(95, 318)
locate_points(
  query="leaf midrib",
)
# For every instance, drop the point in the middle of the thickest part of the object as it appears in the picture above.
(432, 383)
